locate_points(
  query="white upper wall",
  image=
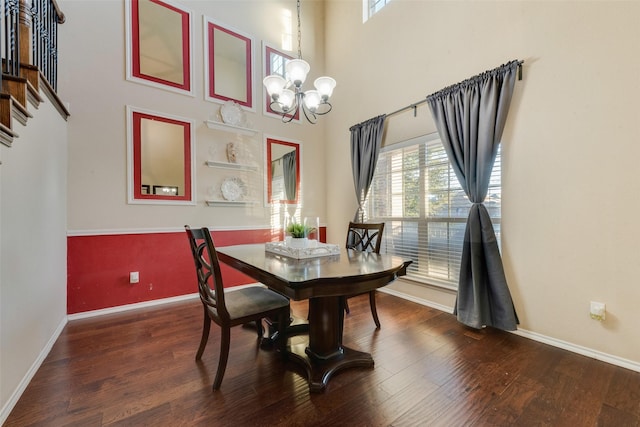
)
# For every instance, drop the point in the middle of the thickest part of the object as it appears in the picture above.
(92, 79)
(570, 146)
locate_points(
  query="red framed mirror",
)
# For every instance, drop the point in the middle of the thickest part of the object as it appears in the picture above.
(161, 158)
(159, 45)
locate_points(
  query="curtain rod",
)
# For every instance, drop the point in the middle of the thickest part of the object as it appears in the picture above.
(415, 104)
(408, 107)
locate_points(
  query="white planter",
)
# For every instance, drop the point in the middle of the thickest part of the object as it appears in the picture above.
(298, 242)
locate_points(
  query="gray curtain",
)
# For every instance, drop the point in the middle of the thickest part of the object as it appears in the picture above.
(289, 174)
(470, 118)
(366, 139)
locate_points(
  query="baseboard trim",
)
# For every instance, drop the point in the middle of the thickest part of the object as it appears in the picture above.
(15, 396)
(417, 300)
(584, 351)
(574, 348)
(144, 304)
(129, 307)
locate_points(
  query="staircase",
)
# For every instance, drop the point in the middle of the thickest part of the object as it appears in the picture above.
(29, 63)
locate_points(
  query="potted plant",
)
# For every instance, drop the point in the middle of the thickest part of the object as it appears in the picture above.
(299, 233)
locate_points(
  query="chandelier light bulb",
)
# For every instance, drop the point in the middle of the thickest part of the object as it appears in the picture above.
(312, 100)
(274, 84)
(286, 99)
(297, 70)
(325, 86)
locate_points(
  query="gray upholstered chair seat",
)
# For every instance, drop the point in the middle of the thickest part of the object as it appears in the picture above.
(246, 302)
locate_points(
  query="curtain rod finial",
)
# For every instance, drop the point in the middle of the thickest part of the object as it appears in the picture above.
(520, 71)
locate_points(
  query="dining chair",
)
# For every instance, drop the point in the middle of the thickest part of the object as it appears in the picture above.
(367, 238)
(231, 307)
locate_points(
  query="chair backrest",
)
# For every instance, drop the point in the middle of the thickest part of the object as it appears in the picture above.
(207, 265)
(365, 237)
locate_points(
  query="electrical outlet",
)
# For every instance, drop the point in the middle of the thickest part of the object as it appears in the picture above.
(134, 277)
(598, 311)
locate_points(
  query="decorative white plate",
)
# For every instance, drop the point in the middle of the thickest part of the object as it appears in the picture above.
(232, 113)
(233, 189)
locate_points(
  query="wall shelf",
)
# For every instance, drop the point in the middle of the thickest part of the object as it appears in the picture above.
(211, 124)
(234, 166)
(230, 203)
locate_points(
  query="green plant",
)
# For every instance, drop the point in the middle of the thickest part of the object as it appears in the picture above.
(299, 230)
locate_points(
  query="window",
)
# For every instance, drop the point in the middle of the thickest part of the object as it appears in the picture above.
(416, 193)
(371, 7)
(275, 63)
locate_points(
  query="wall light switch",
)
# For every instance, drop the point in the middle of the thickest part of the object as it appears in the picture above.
(134, 277)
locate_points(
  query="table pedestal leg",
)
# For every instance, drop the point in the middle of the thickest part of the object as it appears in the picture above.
(325, 355)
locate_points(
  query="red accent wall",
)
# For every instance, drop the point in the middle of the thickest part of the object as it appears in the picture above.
(98, 266)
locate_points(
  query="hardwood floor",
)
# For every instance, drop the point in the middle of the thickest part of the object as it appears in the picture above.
(138, 368)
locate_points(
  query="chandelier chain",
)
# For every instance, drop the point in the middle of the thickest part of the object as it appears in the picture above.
(299, 34)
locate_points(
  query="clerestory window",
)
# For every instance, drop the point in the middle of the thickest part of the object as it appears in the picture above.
(371, 7)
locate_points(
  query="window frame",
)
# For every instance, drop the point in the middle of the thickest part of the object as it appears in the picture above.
(371, 7)
(269, 51)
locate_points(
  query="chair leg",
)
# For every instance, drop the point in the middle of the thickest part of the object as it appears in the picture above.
(282, 332)
(374, 310)
(260, 329)
(206, 327)
(346, 305)
(225, 340)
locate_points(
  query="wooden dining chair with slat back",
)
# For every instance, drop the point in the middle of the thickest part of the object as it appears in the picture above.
(366, 238)
(233, 307)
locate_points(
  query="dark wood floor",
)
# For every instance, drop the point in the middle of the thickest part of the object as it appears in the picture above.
(138, 368)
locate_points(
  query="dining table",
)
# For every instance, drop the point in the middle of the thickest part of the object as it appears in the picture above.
(325, 281)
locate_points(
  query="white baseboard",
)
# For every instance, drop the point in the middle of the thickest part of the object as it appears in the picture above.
(128, 307)
(585, 351)
(15, 396)
(144, 304)
(574, 348)
(417, 300)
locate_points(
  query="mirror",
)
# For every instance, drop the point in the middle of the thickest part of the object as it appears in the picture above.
(160, 156)
(283, 171)
(228, 65)
(159, 45)
(274, 63)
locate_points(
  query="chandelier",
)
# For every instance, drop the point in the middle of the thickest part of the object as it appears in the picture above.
(287, 96)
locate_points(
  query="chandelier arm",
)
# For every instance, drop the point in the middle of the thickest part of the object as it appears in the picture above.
(273, 106)
(325, 112)
(287, 116)
(306, 112)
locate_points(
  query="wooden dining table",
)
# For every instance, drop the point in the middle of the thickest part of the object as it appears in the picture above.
(325, 281)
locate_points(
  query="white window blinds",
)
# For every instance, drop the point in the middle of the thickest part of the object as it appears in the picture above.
(416, 193)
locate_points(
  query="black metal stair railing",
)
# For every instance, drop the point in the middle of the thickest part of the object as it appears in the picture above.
(42, 17)
(45, 39)
(11, 39)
